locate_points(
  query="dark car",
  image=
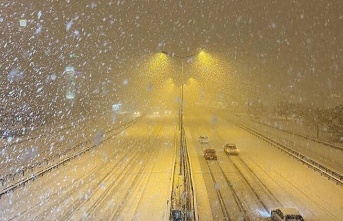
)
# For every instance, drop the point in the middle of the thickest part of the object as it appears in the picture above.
(210, 154)
(286, 214)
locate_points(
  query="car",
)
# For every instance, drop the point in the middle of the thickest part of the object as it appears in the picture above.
(203, 139)
(176, 214)
(210, 154)
(286, 214)
(231, 149)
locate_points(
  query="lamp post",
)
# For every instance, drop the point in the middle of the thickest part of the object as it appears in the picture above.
(182, 78)
(186, 204)
(181, 106)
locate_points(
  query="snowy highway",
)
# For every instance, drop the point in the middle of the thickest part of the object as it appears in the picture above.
(258, 179)
(129, 177)
(171, 110)
(325, 154)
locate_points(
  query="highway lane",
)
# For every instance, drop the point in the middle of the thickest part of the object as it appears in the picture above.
(127, 177)
(323, 154)
(53, 144)
(261, 176)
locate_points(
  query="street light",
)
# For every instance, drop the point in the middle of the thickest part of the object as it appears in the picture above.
(181, 105)
(182, 143)
(178, 56)
(181, 93)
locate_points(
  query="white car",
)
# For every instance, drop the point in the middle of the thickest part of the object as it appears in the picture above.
(231, 149)
(203, 139)
(286, 214)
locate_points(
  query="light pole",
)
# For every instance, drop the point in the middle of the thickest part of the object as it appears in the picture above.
(182, 78)
(187, 197)
(181, 106)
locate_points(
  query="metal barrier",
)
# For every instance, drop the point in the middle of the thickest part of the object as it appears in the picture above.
(332, 175)
(303, 136)
(20, 172)
(185, 211)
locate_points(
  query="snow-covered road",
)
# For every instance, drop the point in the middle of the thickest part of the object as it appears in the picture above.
(127, 177)
(130, 175)
(261, 176)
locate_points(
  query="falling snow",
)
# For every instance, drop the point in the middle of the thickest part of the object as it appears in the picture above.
(117, 83)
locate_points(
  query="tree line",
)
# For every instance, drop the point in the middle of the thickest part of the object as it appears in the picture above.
(330, 119)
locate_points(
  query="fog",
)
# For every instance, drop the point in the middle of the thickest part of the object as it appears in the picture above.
(104, 93)
(258, 54)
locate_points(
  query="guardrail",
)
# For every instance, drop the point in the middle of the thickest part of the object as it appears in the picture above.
(25, 139)
(186, 207)
(329, 173)
(303, 136)
(22, 170)
(189, 204)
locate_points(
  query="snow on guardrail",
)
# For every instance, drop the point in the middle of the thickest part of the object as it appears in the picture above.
(31, 177)
(303, 136)
(332, 175)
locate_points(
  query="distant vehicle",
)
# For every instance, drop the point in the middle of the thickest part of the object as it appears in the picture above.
(203, 139)
(176, 215)
(210, 154)
(231, 149)
(286, 214)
